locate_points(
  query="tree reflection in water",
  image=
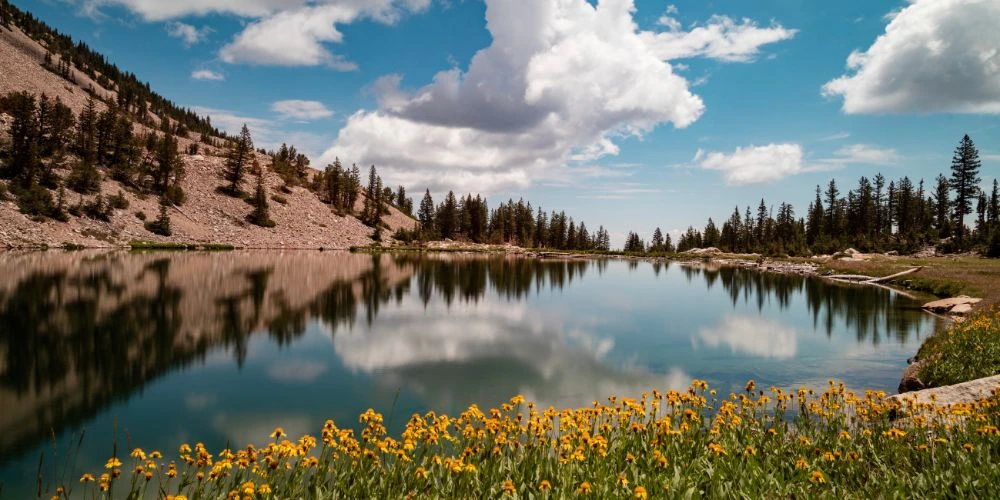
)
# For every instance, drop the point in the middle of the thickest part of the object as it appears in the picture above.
(79, 331)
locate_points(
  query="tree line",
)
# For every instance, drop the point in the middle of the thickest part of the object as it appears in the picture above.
(874, 216)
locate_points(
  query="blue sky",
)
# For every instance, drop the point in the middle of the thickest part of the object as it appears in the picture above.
(630, 115)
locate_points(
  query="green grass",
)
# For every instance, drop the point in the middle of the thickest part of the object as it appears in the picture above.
(964, 351)
(941, 276)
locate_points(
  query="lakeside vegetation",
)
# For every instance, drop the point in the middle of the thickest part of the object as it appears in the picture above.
(964, 351)
(762, 442)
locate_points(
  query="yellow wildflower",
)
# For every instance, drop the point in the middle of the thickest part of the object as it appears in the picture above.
(817, 477)
(545, 485)
(87, 478)
(508, 487)
(278, 433)
(640, 493)
(112, 463)
(584, 488)
(894, 433)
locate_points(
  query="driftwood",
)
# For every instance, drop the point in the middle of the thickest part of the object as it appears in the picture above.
(894, 276)
(849, 277)
(869, 280)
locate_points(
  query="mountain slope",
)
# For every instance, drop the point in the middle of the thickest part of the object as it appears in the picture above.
(207, 216)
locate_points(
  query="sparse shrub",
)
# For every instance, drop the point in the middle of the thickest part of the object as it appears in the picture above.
(175, 195)
(84, 178)
(98, 209)
(3, 191)
(280, 199)
(35, 200)
(192, 149)
(140, 215)
(161, 225)
(406, 236)
(118, 201)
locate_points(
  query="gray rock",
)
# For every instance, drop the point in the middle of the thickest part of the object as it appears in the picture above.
(946, 305)
(966, 392)
(961, 309)
(911, 381)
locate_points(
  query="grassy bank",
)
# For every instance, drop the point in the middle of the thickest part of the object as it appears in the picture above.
(941, 276)
(695, 443)
(964, 351)
(151, 245)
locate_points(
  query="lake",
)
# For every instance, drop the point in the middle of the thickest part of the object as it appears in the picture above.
(157, 349)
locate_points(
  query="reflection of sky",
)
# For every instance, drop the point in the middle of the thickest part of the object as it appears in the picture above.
(616, 332)
(751, 336)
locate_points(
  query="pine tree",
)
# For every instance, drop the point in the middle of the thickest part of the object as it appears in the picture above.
(942, 207)
(447, 216)
(994, 206)
(260, 215)
(964, 182)
(24, 161)
(656, 244)
(832, 216)
(426, 215)
(86, 133)
(161, 225)
(168, 171)
(84, 177)
(711, 236)
(236, 162)
(372, 208)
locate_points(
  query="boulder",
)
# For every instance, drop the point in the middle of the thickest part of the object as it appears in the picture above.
(911, 381)
(961, 309)
(966, 392)
(946, 305)
(704, 251)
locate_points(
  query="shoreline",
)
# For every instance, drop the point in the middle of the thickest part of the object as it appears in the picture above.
(807, 267)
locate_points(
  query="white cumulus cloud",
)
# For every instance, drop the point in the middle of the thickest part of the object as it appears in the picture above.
(865, 154)
(754, 164)
(721, 38)
(298, 36)
(278, 33)
(761, 164)
(207, 74)
(935, 56)
(299, 110)
(188, 34)
(562, 81)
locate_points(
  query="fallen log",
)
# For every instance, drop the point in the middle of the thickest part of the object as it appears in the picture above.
(894, 276)
(849, 277)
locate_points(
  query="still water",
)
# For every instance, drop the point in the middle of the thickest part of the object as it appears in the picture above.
(157, 349)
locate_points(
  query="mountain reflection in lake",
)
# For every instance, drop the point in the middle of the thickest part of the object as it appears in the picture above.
(221, 347)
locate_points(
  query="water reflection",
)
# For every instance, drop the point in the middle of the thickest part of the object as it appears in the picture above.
(752, 335)
(81, 331)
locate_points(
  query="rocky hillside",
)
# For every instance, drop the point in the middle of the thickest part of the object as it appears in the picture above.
(302, 220)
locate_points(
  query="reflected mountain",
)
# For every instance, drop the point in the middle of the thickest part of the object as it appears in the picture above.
(80, 331)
